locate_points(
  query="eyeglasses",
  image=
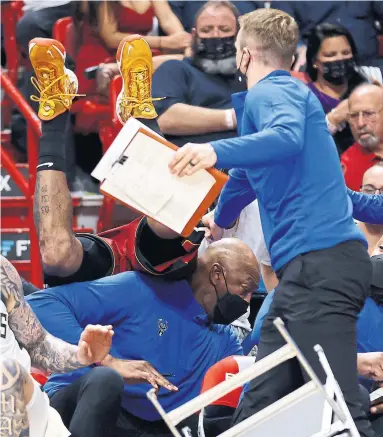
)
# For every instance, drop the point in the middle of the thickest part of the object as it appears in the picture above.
(367, 115)
(370, 189)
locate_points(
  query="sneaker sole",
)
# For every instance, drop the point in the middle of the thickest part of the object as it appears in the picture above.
(52, 43)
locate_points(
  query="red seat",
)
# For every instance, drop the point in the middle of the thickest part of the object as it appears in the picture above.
(222, 371)
(63, 31)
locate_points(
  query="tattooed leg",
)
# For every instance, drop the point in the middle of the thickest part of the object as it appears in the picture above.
(16, 389)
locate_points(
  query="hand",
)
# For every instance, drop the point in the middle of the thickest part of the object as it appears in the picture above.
(192, 157)
(136, 372)
(104, 76)
(94, 344)
(377, 409)
(370, 365)
(213, 231)
(339, 115)
(178, 40)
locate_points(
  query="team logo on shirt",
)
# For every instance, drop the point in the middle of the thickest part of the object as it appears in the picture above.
(162, 327)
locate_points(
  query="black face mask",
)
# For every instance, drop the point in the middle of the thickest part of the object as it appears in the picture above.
(337, 72)
(229, 307)
(214, 49)
(215, 55)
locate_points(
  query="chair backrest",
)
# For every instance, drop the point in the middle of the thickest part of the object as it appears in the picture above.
(63, 31)
(302, 413)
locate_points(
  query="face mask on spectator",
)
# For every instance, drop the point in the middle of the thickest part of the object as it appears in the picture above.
(229, 307)
(215, 55)
(337, 72)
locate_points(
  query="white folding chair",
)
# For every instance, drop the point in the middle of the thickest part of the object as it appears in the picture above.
(313, 410)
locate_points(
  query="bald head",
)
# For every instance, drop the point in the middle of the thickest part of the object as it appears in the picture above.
(228, 265)
(234, 254)
(366, 117)
(373, 179)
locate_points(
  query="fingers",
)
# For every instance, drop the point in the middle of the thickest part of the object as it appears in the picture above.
(156, 379)
(191, 169)
(160, 380)
(377, 409)
(90, 331)
(181, 160)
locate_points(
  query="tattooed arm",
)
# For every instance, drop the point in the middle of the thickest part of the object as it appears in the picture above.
(16, 389)
(60, 250)
(47, 352)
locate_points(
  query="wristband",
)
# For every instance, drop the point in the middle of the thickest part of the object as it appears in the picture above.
(229, 119)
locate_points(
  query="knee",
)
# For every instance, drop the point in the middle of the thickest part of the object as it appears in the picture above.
(107, 384)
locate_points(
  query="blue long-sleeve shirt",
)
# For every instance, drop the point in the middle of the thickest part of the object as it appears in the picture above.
(287, 159)
(153, 320)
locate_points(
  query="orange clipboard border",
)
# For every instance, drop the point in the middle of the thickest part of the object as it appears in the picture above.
(220, 181)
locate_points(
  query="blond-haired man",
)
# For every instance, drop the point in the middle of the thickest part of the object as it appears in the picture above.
(287, 159)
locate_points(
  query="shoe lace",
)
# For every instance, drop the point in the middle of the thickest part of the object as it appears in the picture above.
(44, 96)
(143, 89)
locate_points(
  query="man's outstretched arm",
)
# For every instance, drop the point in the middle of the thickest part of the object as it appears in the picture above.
(60, 250)
(367, 208)
(47, 352)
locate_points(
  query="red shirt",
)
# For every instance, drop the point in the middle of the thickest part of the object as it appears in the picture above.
(355, 161)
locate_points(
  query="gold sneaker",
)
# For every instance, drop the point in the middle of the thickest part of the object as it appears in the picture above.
(56, 84)
(134, 59)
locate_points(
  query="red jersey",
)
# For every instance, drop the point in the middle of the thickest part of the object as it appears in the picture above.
(356, 160)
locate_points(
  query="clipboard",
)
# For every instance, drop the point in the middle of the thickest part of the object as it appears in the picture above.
(219, 177)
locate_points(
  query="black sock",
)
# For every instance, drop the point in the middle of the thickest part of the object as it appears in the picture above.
(52, 155)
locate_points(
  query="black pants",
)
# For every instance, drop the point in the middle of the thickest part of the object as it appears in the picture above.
(319, 297)
(91, 407)
(39, 24)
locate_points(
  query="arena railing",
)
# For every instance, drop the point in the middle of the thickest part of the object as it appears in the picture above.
(27, 187)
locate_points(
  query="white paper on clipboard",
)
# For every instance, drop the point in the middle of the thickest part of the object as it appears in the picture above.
(142, 180)
(123, 138)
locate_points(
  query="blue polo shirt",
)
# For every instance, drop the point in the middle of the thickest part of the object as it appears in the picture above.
(287, 159)
(153, 320)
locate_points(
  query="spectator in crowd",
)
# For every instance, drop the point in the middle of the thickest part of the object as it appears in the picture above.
(172, 325)
(39, 18)
(365, 107)
(332, 67)
(198, 90)
(106, 23)
(187, 11)
(358, 17)
(283, 137)
(373, 184)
